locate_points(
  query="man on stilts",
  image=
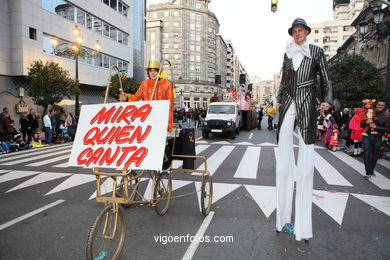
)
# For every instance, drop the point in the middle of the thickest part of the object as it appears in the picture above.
(302, 63)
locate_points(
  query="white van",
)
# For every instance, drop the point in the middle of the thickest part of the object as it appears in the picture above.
(222, 117)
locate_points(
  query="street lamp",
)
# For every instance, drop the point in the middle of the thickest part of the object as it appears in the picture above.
(76, 50)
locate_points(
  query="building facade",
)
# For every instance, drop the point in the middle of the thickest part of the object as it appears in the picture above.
(28, 26)
(374, 46)
(185, 32)
(330, 35)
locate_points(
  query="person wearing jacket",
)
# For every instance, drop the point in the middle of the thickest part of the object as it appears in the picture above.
(372, 139)
(357, 130)
(303, 62)
(164, 90)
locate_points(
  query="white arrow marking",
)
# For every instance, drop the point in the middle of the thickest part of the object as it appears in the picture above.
(267, 144)
(106, 186)
(73, 181)
(243, 143)
(16, 175)
(264, 196)
(332, 203)
(34, 151)
(220, 190)
(43, 177)
(378, 202)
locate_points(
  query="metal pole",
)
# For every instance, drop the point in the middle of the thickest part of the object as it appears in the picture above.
(77, 105)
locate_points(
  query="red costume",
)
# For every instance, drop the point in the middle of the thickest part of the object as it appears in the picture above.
(164, 91)
(354, 125)
(334, 138)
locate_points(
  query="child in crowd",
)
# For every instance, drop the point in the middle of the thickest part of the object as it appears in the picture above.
(334, 138)
(357, 132)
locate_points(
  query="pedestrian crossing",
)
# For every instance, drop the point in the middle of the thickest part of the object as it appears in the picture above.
(331, 202)
(248, 166)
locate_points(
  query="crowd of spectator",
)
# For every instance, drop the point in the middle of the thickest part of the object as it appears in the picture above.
(53, 128)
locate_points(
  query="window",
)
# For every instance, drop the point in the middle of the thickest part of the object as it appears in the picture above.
(176, 56)
(113, 4)
(106, 61)
(192, 67)
(81, 17)
(166, 13)
(106, 30)
(192, 16)
(175, 13)
(316, 31)
(197, 69)
(197, 38)
(197, 58)
(197, 48)
(154, 15)
(113, 61)
(176, 46)
(192, 37)
(192, 26)
(198, 27)
(192, 47)
(47, 46)
(65, 10)
(120, 7)
(33, 33)
(192, 58)
(124, 11)
(97, 61)
(176, 35)
(315, 40)
(124, 39)
(176, 24)
(113, 33)
(125, 67)
(89, 21)
(97, 25)
(348, 28)
(120, 36)
(107, 2)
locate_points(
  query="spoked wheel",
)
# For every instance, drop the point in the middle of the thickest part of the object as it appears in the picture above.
(106, 235)
(132, 185)
(162, 192)
(206, 196)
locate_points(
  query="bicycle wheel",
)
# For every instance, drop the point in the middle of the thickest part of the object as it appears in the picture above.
(162, 192)
(101, 244)
(206, 196)
(132, 185)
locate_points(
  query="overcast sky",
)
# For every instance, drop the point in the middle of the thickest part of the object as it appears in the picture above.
(259, 36)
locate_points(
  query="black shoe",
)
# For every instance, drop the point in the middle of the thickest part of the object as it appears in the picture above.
(368, 176)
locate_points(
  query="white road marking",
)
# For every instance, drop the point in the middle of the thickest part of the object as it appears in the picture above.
(55, 159)
(250, 136)
(328, 172)
(202, 229)
(216, 159)
(32, 213)
(249, 164)
(379, 180)
(13, 162)
(34, 151)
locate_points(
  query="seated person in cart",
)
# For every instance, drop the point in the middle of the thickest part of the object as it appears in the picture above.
(164, 90)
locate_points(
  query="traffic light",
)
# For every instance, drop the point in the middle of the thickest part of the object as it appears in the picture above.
(242, 79)
(274, 5)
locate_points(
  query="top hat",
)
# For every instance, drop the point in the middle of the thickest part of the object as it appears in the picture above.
(153, 64)
(299, 21)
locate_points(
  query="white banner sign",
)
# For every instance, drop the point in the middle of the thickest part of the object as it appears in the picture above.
(121, 135)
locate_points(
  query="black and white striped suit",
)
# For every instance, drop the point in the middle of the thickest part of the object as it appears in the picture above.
(300, 86)
(297, 99)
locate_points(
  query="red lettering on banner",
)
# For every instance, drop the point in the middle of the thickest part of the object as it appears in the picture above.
(126, 112)
(88, 151)
(137, 157)
(142, 112)
(139, 135)
(125, 151)
(103, 115)
(88, 140)
(103, 139)
(116, 114)
(121, 137)
(106, 156)
(95, 156)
